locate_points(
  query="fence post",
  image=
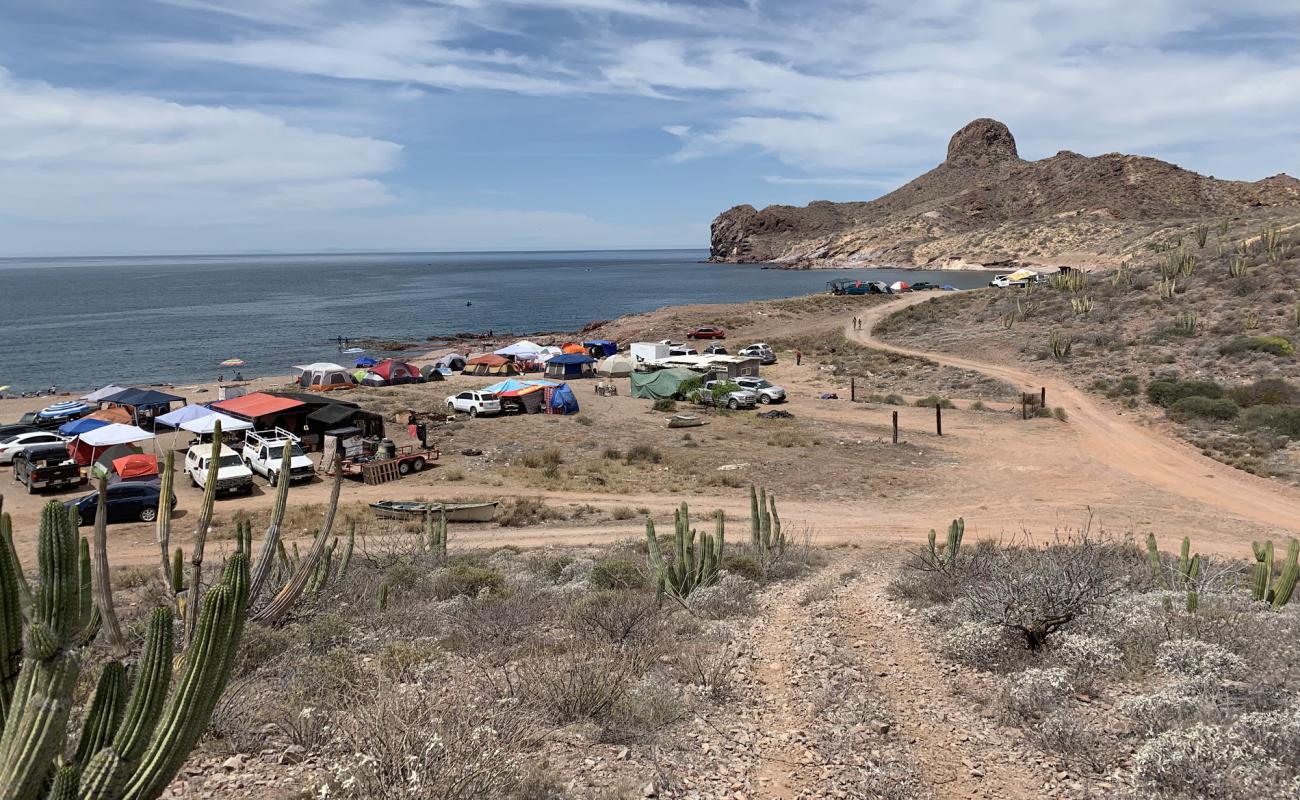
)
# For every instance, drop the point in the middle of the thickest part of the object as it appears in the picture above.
(938, 418)
(853, 389)
(895, 427)
(1042, 397)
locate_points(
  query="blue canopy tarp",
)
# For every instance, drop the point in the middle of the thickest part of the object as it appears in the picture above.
(366, 361)
(563, 401)
(513, 384)
(80, 426)
(601, 347)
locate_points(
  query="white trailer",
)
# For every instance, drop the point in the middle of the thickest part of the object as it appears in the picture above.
(648, 354)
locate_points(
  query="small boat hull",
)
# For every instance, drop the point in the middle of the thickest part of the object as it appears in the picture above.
(686, 421)
(456, 512)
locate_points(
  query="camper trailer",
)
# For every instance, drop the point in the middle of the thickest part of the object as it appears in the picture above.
(647, 354)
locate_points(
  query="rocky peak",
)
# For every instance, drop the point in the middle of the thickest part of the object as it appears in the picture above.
(981, 143)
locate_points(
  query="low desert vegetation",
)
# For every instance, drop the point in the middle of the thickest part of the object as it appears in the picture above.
(1168, 676)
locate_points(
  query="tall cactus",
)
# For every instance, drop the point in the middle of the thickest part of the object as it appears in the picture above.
(766, 538)
(946, 556)
(1185, 572)
(688, 569)
(130, 746)
(1267, 588)
(346, 558)
(435, 533)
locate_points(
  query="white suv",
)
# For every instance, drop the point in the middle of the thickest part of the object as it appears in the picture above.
(760, 350)
(767, 391)
(474, 403)
(233, 476)
(263, 452)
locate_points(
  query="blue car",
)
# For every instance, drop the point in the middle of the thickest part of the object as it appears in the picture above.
(129, 501)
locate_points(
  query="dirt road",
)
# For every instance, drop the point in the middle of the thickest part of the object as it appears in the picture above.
(1121, 443)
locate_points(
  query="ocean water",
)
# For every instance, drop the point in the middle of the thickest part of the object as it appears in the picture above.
(79, 323)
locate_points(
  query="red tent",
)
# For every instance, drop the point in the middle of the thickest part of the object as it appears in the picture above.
(137, 465)
(395, 371)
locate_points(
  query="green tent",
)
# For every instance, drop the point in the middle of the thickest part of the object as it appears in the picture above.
(661, 385)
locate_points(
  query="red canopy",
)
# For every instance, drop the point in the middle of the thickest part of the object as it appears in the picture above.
(257, 404)
(136, 466)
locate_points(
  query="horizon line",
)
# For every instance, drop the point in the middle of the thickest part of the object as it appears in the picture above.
(281, 253)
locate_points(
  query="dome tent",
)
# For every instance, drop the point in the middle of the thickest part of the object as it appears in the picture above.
(324, 376)
(616, 367)
(570, 365)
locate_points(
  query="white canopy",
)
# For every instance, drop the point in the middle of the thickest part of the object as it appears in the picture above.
(523, 347)
(173, 419)
(208, 423)
(94, 396)
(115, 433)
(321, 366)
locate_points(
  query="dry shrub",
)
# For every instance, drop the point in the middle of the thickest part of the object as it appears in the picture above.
(642, 454)
(519, 512)
(541, 459)
(1078, 743)
(639, 715)
(617, 617)
(583, 682)
(618, 573)
(708, 664)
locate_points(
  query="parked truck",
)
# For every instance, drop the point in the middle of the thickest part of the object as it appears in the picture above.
(264, 453)
(232, 475)
(46, 466)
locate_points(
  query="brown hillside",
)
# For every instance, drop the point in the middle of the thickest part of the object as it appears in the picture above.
(985, 205)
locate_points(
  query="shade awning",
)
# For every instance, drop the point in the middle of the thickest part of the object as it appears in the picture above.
(99, 394)
(209, 423)
(80, 426)
(114, 433)
(321, 366)
(489, 359)
(141, 397)
(173, 419)
(257, 404)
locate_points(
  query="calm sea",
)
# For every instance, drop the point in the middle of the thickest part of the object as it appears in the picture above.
(79, 323)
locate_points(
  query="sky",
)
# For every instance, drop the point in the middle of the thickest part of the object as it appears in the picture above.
(236, 126)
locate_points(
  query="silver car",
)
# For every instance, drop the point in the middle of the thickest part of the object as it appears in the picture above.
(763, 352)
(767, 391)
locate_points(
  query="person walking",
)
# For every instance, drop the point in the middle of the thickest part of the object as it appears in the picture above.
(798, 357)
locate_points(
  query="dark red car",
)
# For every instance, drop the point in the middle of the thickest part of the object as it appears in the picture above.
(707, 332)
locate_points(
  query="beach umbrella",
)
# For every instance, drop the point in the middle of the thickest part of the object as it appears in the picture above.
(233, 362)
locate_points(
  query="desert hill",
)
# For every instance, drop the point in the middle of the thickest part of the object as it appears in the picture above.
(984, 205)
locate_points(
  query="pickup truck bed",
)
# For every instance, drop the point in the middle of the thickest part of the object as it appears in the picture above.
(37, 470)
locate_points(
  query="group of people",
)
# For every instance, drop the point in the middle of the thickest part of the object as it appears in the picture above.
(857, 323)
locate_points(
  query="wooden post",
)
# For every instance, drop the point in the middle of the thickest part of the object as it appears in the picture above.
(938, 418)
(1042, 401)
(1024, 406)
(853, 389)
(895, 427)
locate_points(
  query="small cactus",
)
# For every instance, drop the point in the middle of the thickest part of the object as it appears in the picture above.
(687, 570)
(1267, 588)
(383, 597)
(946, 557)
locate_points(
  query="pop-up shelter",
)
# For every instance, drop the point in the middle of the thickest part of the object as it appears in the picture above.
(324, 376)
(173, 419)
(600, 348)
(99, 394)
(145, 404)
(265, 411)
(523, 350)
(570, 365)
(664, 384)
(208, 424)
(89, 446)
(80, 426)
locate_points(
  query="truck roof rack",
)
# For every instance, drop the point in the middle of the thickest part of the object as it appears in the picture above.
(259, 438)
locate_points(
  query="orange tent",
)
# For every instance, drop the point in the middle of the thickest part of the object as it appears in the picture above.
(573, 347)
(257, 404)
(137, 465)
(113, 414)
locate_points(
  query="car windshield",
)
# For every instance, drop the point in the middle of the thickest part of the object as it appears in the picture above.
(230, 461)
(757, 384)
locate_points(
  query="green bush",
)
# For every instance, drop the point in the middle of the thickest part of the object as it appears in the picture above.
(666, 405)
(742, 565)
(895, 400)
(1266, 392)
(1273, 345)
(618, 573)
(1128, 384)
(1283, 420)
(1166, 393)
(1210, 408)
(642, 454)
(932, 401)
(470, 580)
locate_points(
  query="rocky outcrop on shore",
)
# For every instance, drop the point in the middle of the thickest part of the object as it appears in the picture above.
(984, 206)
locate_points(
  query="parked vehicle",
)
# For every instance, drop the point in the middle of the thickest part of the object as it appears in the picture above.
(264, 451)
(737, 398)
(767, 391)
(647, 353)
(761, 351)
(1018, 279)
(415, 509)
(46, 466)
(232, 474)
(474, 403)
(924, 286)
(11, 445)
(682, 350)
(706, 332)
(715, 350)
(127, 502)
(369, 466)
(15, 428)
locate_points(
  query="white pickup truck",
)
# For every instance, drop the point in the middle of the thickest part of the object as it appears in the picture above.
(233, 477)
(264, 451)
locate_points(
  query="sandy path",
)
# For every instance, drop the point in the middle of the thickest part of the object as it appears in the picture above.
(1119, 443)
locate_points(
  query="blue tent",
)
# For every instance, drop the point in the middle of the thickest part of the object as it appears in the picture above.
(570, 365)
(80, 426)
(601, 347)
(366, 361)
(563, 401)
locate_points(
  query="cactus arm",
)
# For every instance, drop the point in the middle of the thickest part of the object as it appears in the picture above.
(64, 784)
(778, 538)
(152, 676)
(289, 594)
(103, 588)
(11, 623)
(201, 532)
(35, 730)
(346, 558)
(163, 526)
(102, 776)
(1286, 581)
(754, 527)
(105, 712)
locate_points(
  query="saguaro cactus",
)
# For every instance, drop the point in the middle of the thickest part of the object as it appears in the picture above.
(687, 570)
(128, 749)
(1267, 588)
(766, 537)
(435, 533)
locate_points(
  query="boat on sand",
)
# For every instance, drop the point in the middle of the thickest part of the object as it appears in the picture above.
(686, 421)
(415, 509)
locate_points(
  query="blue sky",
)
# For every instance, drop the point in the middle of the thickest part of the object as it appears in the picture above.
(166, 126)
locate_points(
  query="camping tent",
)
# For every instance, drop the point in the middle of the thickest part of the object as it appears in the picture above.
(112, 414)
(142, 398)
(207, 424)
(563, 401)
(98, 394)
(80, 426)
(136, 465)
(393, 372)
(324, 376)
(366, 361)
(102, 465)
(490, 364)
(661, 385)
(570, 365)
(616, 367)
(173, 419)
(900, 286)
(89, 446)
(522, 349)
(548, 352)
(572, 347)
(599, 348)
(431, 373)
(452, 361)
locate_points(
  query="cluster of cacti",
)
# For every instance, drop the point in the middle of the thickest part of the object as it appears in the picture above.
(1223, 226)
(435, 533)
(383, 596)
(1250, 322)
(766, 537)
(1061, 344)
(320, 576)
(134, 739)
(1237, 266)
(1025, 310)
(1187, 322)
(1267, 588)
(688, 569)
(946, 557)
(346, 558)
(1082, 305)
(1008, 321)
(1072, 281)
(1123, 275)
(1167, 287)
(1179, 262)
(1202, 234)
(1185, 572)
